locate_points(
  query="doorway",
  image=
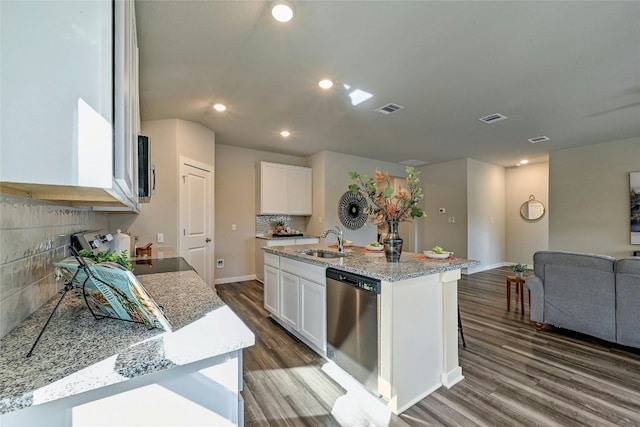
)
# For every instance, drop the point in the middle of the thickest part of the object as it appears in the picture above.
(195, 234)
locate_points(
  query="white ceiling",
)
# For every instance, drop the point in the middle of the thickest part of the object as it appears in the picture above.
(567, 70)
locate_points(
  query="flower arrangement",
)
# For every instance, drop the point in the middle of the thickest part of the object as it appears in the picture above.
(519, 268)
(383, 205)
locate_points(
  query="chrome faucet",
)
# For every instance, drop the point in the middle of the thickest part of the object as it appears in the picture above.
(338, 235)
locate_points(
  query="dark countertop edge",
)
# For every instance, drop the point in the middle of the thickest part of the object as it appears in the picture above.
(291, 252)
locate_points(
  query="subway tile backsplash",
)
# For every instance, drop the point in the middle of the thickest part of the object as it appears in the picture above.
(33, 234)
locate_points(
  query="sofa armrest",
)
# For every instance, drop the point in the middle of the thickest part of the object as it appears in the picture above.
(535, 286)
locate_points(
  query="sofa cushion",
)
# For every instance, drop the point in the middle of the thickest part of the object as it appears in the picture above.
(580, 294)
(628, 301)
(598, 262)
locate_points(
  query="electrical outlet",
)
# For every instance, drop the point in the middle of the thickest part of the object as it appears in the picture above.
(220, 263)
(233, 227)
(160, 238)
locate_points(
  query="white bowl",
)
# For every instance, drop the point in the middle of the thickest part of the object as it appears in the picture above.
(375, 248)
(443, 255)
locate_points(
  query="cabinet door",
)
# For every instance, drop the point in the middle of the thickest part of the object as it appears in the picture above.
(313, 314)
(126, 119)
(271, 289)
(299, 190)
(273, 189)
(54, 54)
(289, 299)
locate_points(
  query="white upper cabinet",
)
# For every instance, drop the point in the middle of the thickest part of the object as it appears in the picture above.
(299, 190)
(57, 105)
(127, 114)
(283, 189)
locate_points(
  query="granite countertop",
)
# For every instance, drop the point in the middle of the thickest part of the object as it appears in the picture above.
(78, 353)
(374, 264)
(271, 237)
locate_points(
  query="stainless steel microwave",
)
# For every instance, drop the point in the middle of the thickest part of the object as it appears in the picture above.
(146, 171)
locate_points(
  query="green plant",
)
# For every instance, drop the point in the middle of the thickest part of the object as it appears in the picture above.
(122, 259)
(384, 205)
(519, 268)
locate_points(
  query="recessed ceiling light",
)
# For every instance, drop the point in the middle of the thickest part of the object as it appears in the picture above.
(282, 11)
(524, 162)
(325, 83)
(219, 107)
(285, 133)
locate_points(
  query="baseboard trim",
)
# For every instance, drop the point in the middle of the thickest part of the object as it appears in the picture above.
(480, 268)
(234, 279)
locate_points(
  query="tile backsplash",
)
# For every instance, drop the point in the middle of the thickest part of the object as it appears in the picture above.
(33, 234)
(265, 224)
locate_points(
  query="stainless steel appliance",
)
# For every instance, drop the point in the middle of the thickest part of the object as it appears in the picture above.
(352, 325)
(95, 241)
(146, 171)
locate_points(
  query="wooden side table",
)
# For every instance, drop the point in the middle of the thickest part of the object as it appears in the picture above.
(519, 282)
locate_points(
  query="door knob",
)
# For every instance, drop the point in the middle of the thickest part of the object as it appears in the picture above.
(208, 239)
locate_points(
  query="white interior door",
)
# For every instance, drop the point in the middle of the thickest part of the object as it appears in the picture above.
(196, 216)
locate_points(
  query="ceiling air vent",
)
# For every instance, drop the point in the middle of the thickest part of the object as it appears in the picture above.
(492, 118)
(389, 108)
(539, 139)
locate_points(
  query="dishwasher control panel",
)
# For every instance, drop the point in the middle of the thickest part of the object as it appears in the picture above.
(367, 284)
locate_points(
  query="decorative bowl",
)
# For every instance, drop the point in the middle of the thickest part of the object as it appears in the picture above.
(431, 254)
(375, 248)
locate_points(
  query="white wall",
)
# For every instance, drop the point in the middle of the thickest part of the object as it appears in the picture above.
(589, 197)
(524, 237)
(161, 214)
(486, 213)
(445, 186)
(235, 204)
(168, 140)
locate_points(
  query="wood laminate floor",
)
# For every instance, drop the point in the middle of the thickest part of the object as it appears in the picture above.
(514, 376)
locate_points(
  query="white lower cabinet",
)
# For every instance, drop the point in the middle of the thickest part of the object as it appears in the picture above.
(313, 325)
(290, 300)
(301, 299)
(272, 283)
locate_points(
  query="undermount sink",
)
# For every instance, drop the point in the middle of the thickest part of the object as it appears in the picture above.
(321, 253)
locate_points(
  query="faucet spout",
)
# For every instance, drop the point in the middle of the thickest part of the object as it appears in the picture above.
(338, 235)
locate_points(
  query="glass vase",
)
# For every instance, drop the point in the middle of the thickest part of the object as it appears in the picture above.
(392, 243)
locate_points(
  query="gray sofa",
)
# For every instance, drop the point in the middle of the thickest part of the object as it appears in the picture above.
(597, 295)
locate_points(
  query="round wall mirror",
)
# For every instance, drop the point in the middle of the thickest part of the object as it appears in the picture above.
(532, 209)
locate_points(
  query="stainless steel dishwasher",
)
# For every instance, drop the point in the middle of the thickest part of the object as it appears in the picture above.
(352, 325)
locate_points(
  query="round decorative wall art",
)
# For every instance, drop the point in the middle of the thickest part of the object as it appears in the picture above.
(351, 210)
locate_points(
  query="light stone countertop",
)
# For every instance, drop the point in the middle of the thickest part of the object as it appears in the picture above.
(373, 264)
(271, 237)
(78, 353)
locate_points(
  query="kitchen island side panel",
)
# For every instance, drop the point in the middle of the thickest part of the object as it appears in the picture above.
(411, 355)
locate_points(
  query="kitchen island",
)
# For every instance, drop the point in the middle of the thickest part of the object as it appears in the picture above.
(122, 373)
(417, 314)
